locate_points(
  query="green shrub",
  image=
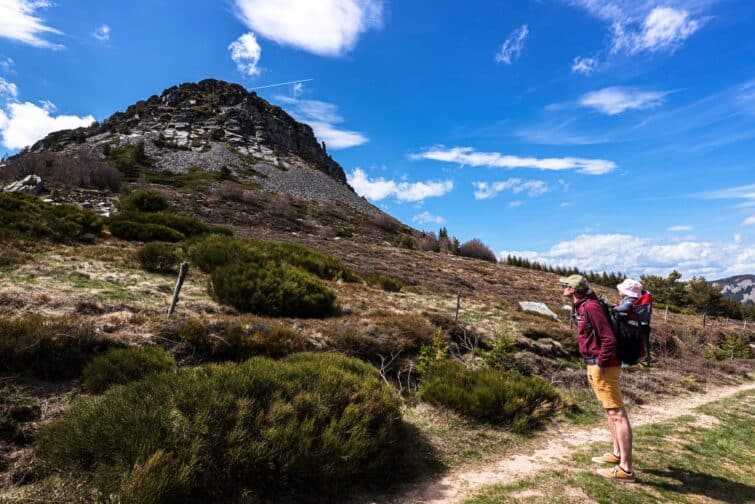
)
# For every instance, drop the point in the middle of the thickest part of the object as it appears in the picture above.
(501, 356)
(489, 395)
(159, 257)
(187, 226)
(124, 365)
(22, 215)
(385, 282)
(145, 200)
(131, 160)
(278, 290)
(214, 251)
(49, 348)
(139, 231)
(730, 346)
(310, 422)
(235, 339)
(404, 240)
(385, 335)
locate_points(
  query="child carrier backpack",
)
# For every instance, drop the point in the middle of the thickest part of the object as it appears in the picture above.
(632, 331)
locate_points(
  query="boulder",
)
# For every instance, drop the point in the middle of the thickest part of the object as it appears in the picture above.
(540, 308)
(31, 184)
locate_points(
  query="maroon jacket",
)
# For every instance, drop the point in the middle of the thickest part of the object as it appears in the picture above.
(594, 334)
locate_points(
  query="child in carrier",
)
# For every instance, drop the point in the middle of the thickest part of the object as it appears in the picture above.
(635, 308)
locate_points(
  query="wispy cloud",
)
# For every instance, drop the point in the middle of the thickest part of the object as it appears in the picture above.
(647, 26)
(102, 33)
(20, 21)
(246, 53)
(323, 118)
(676, 229)
(380, 188)
(583, 65)
(487, 190)
(749, 221)
(323, 27)
(428, 218)
(512, 47)
(6, 63)
(745, 192)
(469, 157)
(8, 90)
(616, 100)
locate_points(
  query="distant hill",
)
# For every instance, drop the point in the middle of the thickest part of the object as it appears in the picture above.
(740, 288)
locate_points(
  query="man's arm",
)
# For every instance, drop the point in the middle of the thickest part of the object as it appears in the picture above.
(603, 332)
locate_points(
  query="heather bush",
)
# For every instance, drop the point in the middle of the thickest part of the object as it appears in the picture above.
(124, 365)
(386, 222)
(428, 242)
(729, 346)
(48, 348)
(476, 249)
(159, 257)
(385, 335)
(222, 433)
(188, 226)
(212, 252)
(501, 356)
(26, 216)
(385, 282)
(231, 191)
(234, 339)
(145, 200)
(404, 240)
(274, 289)
(143, 232)
(490, 395)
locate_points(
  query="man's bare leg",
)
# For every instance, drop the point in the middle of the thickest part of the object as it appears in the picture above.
(623, 431)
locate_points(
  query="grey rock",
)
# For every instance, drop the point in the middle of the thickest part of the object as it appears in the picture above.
(31, 184)
(541, 308)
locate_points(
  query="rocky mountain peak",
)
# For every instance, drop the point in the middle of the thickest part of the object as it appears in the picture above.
(210, 116)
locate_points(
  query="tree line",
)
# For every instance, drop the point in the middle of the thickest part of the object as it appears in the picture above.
(696, 294)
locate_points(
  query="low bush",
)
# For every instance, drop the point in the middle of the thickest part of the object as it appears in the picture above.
(145, 200)
(278, 290)
(49, 348)
(386, 222)
(124, 365)
(159, 257)
(214, 251)
(490, 395)
(404, 240)
(143, 232)
(220, 433)
(385, 282)
(82, 169)
(730, 346)
(476, 249)
(501, 356)
(22, 215)
(385, 335)
(235, 339)
(188, 226)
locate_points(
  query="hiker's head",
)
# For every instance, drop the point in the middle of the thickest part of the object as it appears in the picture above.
(575, 285)
(631, 288)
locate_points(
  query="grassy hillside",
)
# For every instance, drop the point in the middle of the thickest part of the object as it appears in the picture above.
(393, 310)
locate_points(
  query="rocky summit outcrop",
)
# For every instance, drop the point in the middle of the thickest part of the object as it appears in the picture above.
(215, 126)
(740, 288)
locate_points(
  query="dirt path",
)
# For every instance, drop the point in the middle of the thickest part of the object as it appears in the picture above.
(461, 483)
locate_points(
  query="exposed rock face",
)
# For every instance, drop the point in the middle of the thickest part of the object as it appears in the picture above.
(31, 184)
(195, 116)
(215, 126)
(740, 288)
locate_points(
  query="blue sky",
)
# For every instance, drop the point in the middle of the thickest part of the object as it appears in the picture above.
(606, 134)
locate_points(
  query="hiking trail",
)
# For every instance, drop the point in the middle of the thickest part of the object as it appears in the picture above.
(463, 482)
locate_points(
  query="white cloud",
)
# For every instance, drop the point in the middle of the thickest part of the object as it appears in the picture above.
(647, 26)
(246, 53)
(749, 221)
(746, 192)
(664, 28)
(615, 100)
(19, 21)
(675, 229)
(323, 27)
(584, 65)
(428, 218)
(102, 33)
(8, 90)
(636, 255)
(298, 89)
(468, 156)
(323, 118)
(22, 124)
(6, 64)
(515, 203)
(380, 188)
(487, 190)
(512, 47)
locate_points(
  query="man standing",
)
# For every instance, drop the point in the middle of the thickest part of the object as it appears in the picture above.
(597, 344)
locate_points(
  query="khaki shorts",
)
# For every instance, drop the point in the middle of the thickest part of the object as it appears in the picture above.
(606, 385)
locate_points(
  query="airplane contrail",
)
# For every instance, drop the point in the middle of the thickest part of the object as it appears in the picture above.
(281, 84)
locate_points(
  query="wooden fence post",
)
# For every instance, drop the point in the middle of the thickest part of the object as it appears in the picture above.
(665, 315)
(705, 316)
(179, 283)
(458, 305)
